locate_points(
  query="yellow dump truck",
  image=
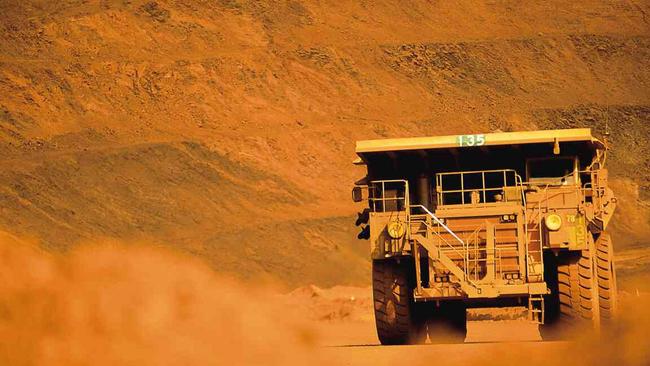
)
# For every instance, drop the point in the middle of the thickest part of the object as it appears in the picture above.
(487, 220)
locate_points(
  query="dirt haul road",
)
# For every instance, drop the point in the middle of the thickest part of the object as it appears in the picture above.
(344, 330)
(489, 343)
(502, 342)
(139, 304)
(508, 342)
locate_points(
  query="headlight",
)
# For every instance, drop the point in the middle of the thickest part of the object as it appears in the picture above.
(396, 229)
(553, 222)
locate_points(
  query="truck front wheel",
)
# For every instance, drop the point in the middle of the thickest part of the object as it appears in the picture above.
(571, 306)
(396, 315)
(606, 277)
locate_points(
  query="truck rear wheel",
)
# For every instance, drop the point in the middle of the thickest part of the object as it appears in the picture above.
(606, 277)
(448, 323)
(396, 315)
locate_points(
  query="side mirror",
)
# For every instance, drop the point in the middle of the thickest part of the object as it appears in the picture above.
(365, 233)
(357, 194)
(363, 217)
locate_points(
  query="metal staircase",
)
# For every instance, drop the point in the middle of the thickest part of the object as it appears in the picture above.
(536, 309)
(437, 253)
(535, 238)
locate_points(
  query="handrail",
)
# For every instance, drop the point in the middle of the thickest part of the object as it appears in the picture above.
(477, 171)
(444, 240)
(439, 222)
(465, 245)
(473, 237)
(441, 193)
(383, 199)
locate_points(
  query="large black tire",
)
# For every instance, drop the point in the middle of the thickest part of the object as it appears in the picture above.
(396, 315)
(572, 305)
(576, 288)
(606, 276)
(447, 323)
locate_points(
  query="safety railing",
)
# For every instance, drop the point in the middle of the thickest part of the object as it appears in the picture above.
(473, 238)
(480, 187)
(473, 241)
(535, 219)
(447, 245)
(596, 192)
(498, 263)
(379, 197)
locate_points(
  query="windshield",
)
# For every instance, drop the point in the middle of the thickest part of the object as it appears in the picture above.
(555, 171)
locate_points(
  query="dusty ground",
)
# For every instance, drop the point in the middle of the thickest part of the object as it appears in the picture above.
(109, 303)
(135, 130)
(501, 342)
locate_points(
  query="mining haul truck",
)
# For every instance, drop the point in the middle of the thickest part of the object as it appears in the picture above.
(487, 220)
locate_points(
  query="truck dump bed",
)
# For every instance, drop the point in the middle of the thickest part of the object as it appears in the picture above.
(582, 136)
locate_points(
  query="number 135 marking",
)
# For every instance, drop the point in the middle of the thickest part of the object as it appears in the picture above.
(471, 140)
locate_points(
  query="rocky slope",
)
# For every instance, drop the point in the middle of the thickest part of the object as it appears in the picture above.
(227, 128)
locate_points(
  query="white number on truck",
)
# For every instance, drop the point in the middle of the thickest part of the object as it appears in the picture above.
(471, 140)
